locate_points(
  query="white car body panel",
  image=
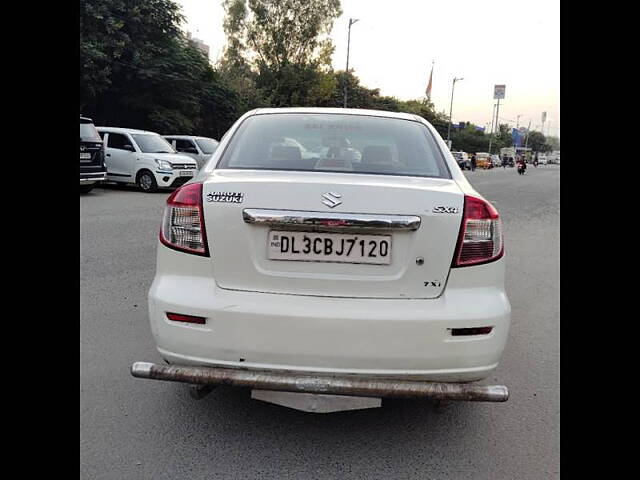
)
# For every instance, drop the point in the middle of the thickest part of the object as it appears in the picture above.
(332, 318)
(201, 158)
(238, 249)
(391, 337)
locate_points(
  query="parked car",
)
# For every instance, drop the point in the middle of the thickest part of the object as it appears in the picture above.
(293, 276)
(144, 158)
(199, 148)
(463, 160)
(483, 160)
(92, 167)
(542, 160)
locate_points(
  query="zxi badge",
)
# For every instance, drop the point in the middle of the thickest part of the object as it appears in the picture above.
(331, 199)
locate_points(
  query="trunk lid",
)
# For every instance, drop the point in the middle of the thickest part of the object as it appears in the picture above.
(239, 250)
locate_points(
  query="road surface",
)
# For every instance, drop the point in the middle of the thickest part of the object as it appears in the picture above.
(132, 428)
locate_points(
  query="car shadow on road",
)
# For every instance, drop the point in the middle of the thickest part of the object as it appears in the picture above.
(125, 188)
(404, 423)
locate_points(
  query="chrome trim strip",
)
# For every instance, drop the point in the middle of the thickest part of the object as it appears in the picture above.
(331, 220)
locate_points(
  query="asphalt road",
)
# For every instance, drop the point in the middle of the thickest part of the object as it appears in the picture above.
(132, 428)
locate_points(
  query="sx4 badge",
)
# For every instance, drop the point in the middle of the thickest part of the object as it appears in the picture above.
(225, 197)
(440, 209)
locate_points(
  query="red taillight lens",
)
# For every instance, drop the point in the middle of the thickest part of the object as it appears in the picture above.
(480, 239)
(183, 221)
(179, 317)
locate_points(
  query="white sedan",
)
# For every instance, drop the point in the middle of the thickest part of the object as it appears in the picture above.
(323, 283)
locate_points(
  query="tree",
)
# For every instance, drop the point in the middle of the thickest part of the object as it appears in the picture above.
(503, 137)
(424, 109)
(138, 70)
(281, 48)
(554, 142)
(270, 34)
(469, 139)
(538, 142)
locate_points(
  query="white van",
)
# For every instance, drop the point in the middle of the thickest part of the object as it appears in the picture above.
(144, 158)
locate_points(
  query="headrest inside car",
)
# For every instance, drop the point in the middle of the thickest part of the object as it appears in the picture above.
(376, 155)
(286, 153)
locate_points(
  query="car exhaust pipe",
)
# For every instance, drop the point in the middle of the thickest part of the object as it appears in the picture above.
(320, 383)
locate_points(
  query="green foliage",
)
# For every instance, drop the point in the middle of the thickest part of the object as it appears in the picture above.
(538, 142)
(553, 142)
(271, 34)
(424, 109)
(138, 70)
(278, 51)
(469, 139)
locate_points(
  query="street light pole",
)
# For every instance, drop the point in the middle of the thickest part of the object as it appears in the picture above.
(497, 124)
(451, 108)
(351, 22)
(526, 138)
(493, 119)
(518, 121)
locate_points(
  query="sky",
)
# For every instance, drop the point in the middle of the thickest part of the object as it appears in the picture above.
(506, 42)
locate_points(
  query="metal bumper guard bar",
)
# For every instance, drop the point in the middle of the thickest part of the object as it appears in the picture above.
(321, 384)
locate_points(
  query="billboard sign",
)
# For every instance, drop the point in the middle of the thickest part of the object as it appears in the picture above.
(517, 137)
(498, 92)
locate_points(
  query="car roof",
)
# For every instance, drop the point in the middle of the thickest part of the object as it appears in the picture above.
(123, 130)
(188, 137)
(341, 111)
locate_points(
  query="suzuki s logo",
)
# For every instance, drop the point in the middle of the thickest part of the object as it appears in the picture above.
(331, 199)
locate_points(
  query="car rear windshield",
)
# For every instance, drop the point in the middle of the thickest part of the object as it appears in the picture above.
(335, 143)
(207, 145)
(88, 133)
(150, 143)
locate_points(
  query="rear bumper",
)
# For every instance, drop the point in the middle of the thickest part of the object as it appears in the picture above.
(89, 178)
(384, 338)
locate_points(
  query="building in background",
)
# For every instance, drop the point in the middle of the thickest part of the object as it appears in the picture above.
(199, 44)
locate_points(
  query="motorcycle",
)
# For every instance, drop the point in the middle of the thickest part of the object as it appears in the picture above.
(521, 168)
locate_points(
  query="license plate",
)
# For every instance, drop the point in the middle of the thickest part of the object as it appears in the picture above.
(84, 156)
(186, 174)
(329, 247)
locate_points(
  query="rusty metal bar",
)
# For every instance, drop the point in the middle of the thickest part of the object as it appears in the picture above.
(321, 383)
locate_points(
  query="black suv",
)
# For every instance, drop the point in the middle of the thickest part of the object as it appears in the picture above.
(92, 167)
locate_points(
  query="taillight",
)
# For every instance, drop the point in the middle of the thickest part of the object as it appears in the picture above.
(183, 221)
(480, 239)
